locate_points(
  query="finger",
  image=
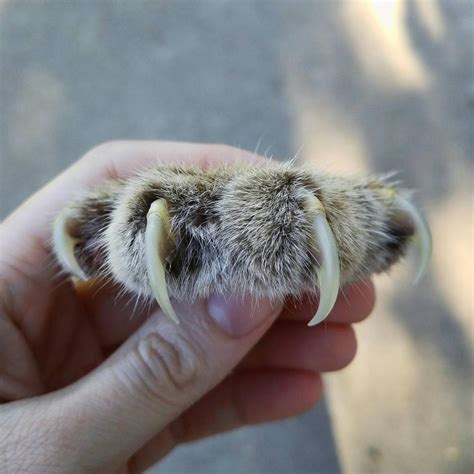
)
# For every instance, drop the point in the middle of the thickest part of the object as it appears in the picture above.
(290, 345)
(160, 371)
(113, 314)
(354, 303)
(128, 313)
(29, 227)
(245, 398)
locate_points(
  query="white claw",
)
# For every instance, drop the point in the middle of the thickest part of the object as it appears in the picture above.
(64, 245)
(156, 238)
(421, 238)
(328, 272)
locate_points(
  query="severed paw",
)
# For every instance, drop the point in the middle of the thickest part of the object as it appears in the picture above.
(273, 230)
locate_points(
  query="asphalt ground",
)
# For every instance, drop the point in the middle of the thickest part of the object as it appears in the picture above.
(348, 87)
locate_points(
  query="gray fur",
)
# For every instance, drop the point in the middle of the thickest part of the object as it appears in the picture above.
(238, 229)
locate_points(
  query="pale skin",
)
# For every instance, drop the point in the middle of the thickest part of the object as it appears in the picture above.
(87, 388)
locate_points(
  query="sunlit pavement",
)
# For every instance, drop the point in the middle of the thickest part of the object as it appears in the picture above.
(347, 86)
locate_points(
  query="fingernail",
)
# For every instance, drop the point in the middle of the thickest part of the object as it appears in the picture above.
(238, 316)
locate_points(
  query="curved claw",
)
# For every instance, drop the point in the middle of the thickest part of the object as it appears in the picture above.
(156, 237)
(421, 238)
(64, 245)
(328, 272)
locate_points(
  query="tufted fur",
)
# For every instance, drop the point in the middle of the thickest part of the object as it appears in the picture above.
(238, 229)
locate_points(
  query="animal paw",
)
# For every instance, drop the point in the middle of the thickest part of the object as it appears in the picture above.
(272, 230)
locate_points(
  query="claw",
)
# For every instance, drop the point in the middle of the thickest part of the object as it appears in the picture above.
(64, 245)
(421, 238)
(328, 272)
(156, 237)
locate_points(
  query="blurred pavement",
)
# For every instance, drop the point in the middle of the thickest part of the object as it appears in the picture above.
(365, 86)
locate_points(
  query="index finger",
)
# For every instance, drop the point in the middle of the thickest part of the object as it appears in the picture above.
(110, 160)
(25, 235)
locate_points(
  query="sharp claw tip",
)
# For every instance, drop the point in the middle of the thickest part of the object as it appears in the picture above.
(318, 318)
(173, 318)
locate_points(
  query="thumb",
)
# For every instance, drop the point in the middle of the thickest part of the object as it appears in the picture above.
(163, 369)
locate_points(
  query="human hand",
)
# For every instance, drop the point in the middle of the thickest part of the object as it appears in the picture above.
(86, 386)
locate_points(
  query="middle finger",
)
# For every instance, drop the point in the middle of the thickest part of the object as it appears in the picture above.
(292, 345)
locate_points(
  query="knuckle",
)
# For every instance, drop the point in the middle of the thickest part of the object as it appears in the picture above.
(169, 369)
